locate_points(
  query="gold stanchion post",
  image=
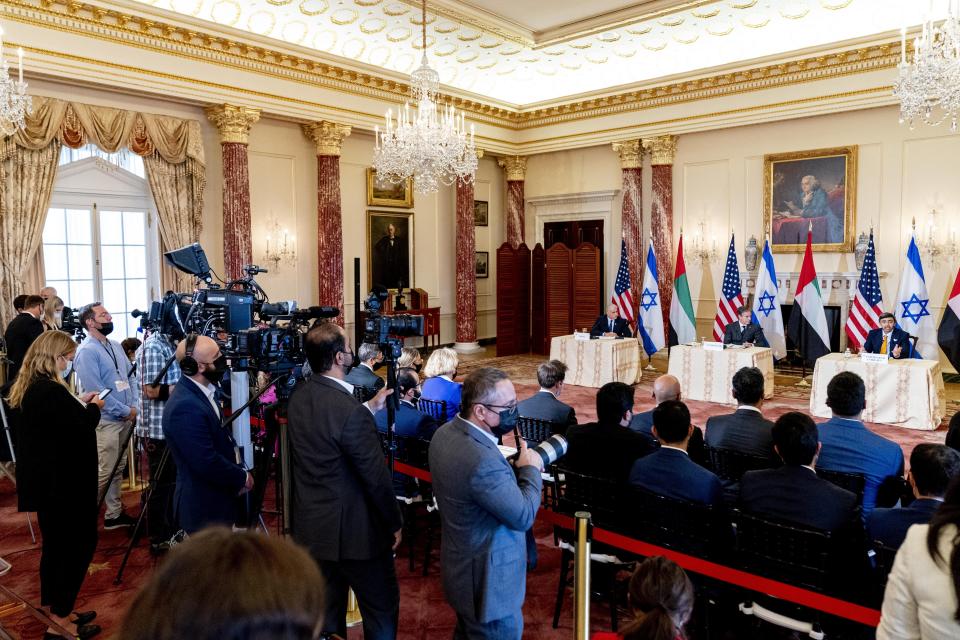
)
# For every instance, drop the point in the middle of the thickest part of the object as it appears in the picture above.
(353, 610)
(581, 577)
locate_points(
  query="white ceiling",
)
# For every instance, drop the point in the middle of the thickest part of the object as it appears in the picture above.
(487, 57)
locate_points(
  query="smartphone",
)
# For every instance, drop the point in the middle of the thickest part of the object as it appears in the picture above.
(103, 394)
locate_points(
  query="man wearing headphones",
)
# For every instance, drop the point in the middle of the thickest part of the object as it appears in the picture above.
(209, 474)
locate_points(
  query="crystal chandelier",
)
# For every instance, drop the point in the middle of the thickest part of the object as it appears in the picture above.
(928, 86)
(431, 146)
(15, 104)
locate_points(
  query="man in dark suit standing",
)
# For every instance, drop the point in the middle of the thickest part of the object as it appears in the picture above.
(744, 430)
(744, 330)
(607, 447)
(22, 331)
(611, 325)
(794, 492)
(209, 476)
(363, 375)
(669, 471)
(667, 387)
(888, 339)
(932, 467)
(343, 506)
(545, 404)
(485, 508)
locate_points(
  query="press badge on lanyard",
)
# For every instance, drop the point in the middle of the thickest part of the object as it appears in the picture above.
(121, 385)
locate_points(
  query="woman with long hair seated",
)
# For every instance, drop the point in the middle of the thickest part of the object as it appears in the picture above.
(410, 358)
(57, 473)
(661, 599)
(921, 596)
(440, 370)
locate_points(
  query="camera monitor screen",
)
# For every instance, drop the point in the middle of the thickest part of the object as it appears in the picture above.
(190, 259)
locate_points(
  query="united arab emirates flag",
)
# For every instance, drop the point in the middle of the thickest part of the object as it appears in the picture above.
(948, 333)
(808, 323)
(683, 323)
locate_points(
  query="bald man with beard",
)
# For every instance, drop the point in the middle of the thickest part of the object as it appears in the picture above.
(667, 387)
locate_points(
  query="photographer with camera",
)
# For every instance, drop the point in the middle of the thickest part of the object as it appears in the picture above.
(153, 355)
(343, 506)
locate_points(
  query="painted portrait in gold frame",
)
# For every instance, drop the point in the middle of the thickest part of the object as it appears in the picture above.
(804, 187)
(381, 193)
(390, 256)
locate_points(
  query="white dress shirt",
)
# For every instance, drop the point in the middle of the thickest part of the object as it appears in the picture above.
(210, 391)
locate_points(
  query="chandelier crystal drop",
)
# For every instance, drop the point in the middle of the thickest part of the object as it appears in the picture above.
(15, 104)
(429, 143)
(928, 85)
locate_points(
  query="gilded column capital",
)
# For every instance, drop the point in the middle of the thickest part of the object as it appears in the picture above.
(630, 152)
(514, 166)
(662, 149)
(232, 122)
(479, 153)
(327, 135)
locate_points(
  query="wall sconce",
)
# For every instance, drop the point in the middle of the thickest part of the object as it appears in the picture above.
(927, 242)
(704, 250)
(281, 246)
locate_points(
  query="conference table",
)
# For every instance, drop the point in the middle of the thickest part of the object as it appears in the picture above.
(905, 393)
(594, 363)
(707, 374)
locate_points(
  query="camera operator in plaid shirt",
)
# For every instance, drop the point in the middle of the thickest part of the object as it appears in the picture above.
(150, 359)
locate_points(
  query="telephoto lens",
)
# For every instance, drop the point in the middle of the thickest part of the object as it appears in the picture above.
(551, 449)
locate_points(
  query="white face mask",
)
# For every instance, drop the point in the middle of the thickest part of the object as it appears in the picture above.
(66, 372)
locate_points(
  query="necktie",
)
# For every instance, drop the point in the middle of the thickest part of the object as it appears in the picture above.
(611, 324)
(883, 345)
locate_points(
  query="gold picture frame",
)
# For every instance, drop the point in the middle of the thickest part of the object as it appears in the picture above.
(818, 186)
(390, 264)
(381, 194)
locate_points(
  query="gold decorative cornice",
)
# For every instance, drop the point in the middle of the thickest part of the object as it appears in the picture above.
(662, 149)
(514, 166)
(232, 122)
(327, 135)
(630, 152)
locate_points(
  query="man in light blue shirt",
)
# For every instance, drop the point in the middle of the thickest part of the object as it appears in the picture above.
(101, 364)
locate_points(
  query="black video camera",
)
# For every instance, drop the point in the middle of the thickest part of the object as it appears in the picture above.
(70, 323)
(385, 331)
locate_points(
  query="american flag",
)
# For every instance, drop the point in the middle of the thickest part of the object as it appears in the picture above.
(868, 304)
(621, 288)
(732, 298)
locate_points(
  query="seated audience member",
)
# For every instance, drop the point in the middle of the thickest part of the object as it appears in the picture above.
(266, 588)
(794, 493)
(18, 302)
(661, 599)
(932, 467)
(667, 387)
(921, 596)
(744, 330)
(362, 375)
(410, 359)
(850, 447)
(130, 346)
(888, 339)
(52, 314)
(410, 423)
(440, 370)
(953, 433)
(607, 447)
(744, 430)
(669, 471)
(545, 404)
(611, 325)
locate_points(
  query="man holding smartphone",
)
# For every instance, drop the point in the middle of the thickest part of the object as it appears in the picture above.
(101, 364)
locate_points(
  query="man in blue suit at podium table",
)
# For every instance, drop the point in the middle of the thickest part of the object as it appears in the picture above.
(889, 339)
(611, 325)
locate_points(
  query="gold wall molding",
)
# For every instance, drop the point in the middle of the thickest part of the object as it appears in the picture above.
(515, 167)
(630, 152)
(232, 122)
(662, 149)
(327, 135)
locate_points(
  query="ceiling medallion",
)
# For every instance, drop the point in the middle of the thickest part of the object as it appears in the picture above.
(705, 13)
(639, 31)
(430, 145)
(446, 27)
(313, 7)
(367, 3)
(834, 5)
(720, 29)
(221, 12)
(373, 25)
(469, 35)
(743, 4)
(343, 17)
(396, 9)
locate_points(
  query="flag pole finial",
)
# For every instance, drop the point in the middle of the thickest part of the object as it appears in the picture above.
(810, 226)
(913, 223)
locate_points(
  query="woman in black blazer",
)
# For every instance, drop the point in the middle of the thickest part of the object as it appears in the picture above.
(57, 473)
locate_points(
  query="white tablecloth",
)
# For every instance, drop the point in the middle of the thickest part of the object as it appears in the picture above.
(906, 393)
(708, 375)
(594, 363)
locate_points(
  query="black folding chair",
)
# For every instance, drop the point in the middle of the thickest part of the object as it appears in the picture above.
(688, 527)
(535, 430)
(852, 482)
(730, 464)
(435, 408)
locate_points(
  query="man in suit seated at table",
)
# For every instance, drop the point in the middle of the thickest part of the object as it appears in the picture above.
(932, 467)
(794, 493)
(611, 325)
(545, 404)
(850, 447)
(888, 339)
(744, 430)
(669, 471)
(363, 375)
(667, 387)
(607, 447)
(744, 330)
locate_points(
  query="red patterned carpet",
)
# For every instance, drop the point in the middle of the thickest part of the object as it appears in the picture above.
(424, 613)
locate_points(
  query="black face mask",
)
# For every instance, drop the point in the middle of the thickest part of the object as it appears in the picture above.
(417, 367)
(353, 363)
(377, 366)
(416, 395)
(106, 328)
(214, 376)
(508, 422)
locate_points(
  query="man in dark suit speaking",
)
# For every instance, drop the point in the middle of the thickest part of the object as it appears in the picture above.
(611, 325)
(744, 331)
(889, 339)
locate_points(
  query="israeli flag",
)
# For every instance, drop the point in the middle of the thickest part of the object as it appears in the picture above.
(650, 325)
(912, 306)
(766, 304)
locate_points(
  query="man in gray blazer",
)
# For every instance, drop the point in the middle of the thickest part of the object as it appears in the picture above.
(362, 375)
(485, 508)
(343, 508)
(545, 404)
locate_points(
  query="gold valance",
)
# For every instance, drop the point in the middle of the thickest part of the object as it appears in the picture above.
(75, 125)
